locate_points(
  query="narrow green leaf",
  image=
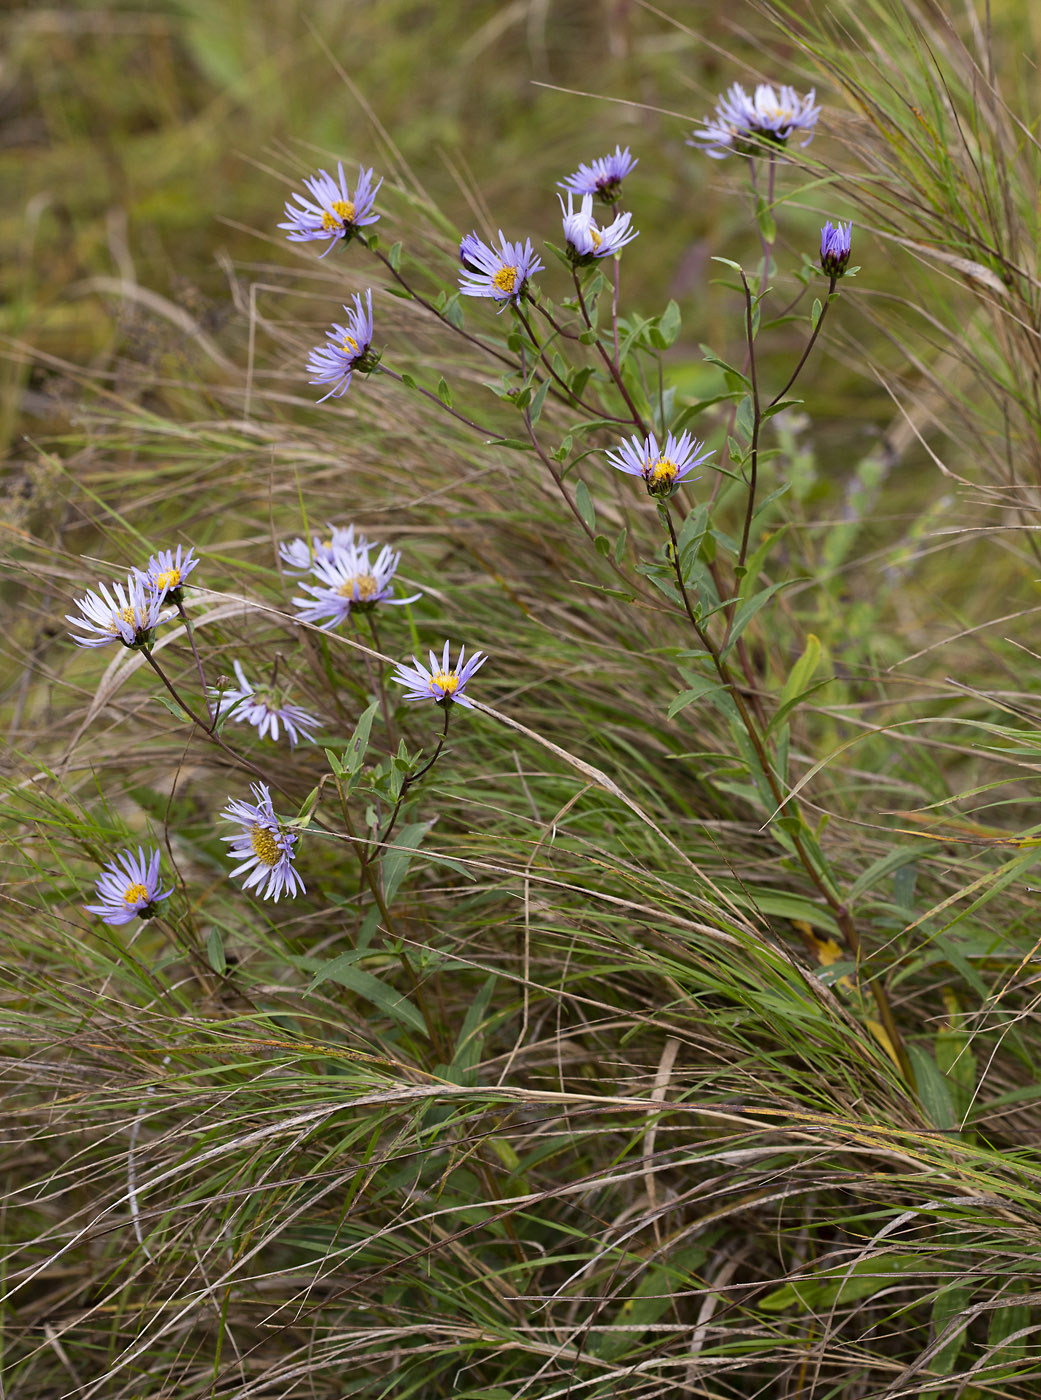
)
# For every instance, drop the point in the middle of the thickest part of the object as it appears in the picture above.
(397, 858)
(344, 971)
(584, 503)
(355, 751)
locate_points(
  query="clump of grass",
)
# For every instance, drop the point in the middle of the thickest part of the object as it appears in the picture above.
(661, 1025)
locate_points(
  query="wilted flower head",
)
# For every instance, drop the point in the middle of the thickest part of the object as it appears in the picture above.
(167, 571)
(265, 708)
(348, 350)
(502, 275)
(602, 177)
(263, 846)
(332, 213)
(349, 579)
(585, 239)
(128, 888)
(127, 615)
(443, 683)
(751, 125)
(301, 556)
(836, 243)
(662, 469)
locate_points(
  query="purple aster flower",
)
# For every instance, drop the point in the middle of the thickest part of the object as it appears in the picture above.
(662, 469)
(167, 571)
(585, 239)
(264, 847)
(602, 177)
(469, 245)
(502, 275)
(752, 125)
(128, 888)
(332, 213)
(836, 243)
(443, 683)
(265, 707)
(127, 615)
(301, 556)
(350, 580)
(348, 350)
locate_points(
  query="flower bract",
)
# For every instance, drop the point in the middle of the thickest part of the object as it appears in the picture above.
(586, 240)
(301, 555)
(836, 244)
(128, 887)
(263, 847)
(754, 125)
(167, 572)
(443, 683)
(602, 177)
(266, 709)
(502, 275)
(128, 615)
(349, 349)
(348, 580)
(332, 212)
(662, 469)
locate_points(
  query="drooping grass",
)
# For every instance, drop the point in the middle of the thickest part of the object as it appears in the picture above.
(624, 1121)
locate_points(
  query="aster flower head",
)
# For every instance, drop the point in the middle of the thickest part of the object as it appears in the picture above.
(128, 888)
(586, 241)
(602, 177)
(301, 555)
(443, 683)
(332, 212)
(350, 580)
(754, 125)
(264, 707)
(836, 244)
(128, 615)
(349, 349)
(502, 275)
(167, 572)
(263, 847)
(662, 469)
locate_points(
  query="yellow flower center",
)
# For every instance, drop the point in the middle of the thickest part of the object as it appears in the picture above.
(169, 579)
(367, 586)
(595, 235)
(505, 279)
(265, 847)
(339, 216)
(135, 893)
(447, 682)
(128, 616)
(349, 343)
(659, 471)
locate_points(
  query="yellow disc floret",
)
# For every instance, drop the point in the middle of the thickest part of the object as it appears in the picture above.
(366, 585)
(134, 893)
(447, 682)
(339, 216)
(505, 279)
(265, 846)
(170, 578)
(661, 471)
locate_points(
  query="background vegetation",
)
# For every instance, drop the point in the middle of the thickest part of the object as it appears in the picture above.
(636, 1129)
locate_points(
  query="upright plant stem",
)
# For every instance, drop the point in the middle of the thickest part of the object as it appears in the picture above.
(613, 370)
(820, 879)
(753, 459)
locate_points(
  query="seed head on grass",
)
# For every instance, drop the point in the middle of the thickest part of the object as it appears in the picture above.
(601, 177)
(167, 572)
(264, 848)
(331, 213)
(586, 240)
(836, 244)
(265, 707)
(754, 125)
(502, 275)
(662, 469)
(443, 683)
(349, 349)
(128, 888)
(129, 615)
(350, 580)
